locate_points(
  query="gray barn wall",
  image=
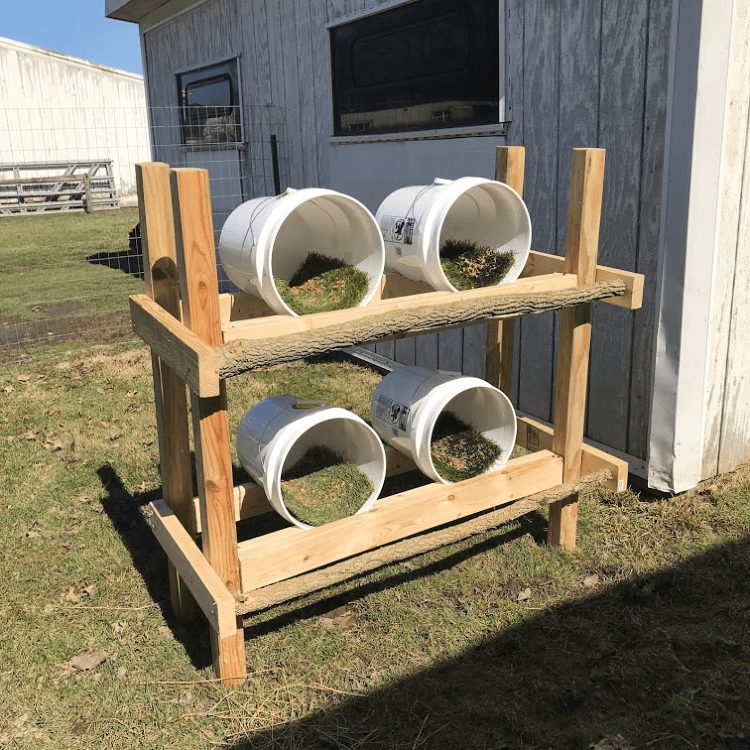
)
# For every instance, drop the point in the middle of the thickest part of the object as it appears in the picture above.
(581, 73)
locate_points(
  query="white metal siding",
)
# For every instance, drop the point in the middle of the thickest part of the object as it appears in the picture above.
(56, 108)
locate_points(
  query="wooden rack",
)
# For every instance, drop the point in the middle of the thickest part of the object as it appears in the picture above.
(200, 338)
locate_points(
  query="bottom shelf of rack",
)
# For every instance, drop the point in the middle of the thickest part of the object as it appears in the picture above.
(291, 551)
(284, 564)
(291, 563)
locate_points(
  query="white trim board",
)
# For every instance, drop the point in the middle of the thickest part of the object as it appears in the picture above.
(698, 84)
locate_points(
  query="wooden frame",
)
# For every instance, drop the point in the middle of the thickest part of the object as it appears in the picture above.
(200, 338)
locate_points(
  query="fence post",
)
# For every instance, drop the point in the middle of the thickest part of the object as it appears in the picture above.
(87, 203)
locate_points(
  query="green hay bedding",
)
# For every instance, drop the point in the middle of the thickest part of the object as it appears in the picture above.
(459, 451)
(468, 265)
(322, 487)
(321, 284)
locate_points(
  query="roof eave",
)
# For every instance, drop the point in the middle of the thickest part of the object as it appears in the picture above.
(130, 10)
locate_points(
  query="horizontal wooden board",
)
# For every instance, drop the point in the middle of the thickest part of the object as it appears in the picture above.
(250, 499)
(208, 590)
(290, 552)
(188, 356)
(269, 341)
(544, 263)
(408, 549)
(279, 325)
(534, 436)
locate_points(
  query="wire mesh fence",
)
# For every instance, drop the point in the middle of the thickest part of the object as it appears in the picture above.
(70, 245)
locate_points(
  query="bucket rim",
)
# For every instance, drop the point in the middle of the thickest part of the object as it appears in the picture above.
(300, 197)
(325, 413)
(455, 190)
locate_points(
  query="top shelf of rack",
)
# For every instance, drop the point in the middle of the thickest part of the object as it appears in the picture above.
(205, 337)
(263, 340)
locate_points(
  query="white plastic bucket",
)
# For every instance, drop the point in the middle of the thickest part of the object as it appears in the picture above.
(269, 238)
(416, 222)
(275, 434)
(408, 402)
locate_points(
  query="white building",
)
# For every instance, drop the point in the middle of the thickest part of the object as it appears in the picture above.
(366, 96)
(57, 108)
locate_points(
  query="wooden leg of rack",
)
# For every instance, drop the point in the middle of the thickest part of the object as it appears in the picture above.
(581, 250)
(196, 265)
(563, 523)
(228, 655)
(510, 167)
(499, 363)
(160, 275)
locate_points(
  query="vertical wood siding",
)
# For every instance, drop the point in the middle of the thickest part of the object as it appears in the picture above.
(580, 73)
(595, 74)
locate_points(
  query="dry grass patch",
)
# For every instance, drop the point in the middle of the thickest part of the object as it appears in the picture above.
(459, 451)
(468, 265)
(323, 487)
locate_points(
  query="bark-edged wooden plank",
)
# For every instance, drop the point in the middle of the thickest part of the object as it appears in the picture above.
(273, 345)
(292, 551)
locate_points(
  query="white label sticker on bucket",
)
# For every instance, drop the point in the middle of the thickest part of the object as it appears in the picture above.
(398, 229)
(392, 413)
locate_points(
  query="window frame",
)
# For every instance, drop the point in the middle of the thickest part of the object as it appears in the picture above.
(178, 74)
(463, 131)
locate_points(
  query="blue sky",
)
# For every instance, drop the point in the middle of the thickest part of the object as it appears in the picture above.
(76, 28)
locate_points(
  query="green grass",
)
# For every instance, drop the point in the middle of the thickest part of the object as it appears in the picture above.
(321, 284)
(43, 263)
(323, 487)
(468, 265)
(643, 632)
(51, 294)
(494, 642)
(459, 451)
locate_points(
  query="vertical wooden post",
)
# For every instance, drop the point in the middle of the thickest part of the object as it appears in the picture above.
(510, 166)
(196, 262)
(581, 250)
(162, 284)
(88, 205)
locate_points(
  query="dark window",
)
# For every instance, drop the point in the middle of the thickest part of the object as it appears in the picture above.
(209, 100)
(427, 64)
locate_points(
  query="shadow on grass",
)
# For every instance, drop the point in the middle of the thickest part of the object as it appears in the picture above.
(124, 261)
(663, 662)
(534, 524)
(125, 511)
(128, 261)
